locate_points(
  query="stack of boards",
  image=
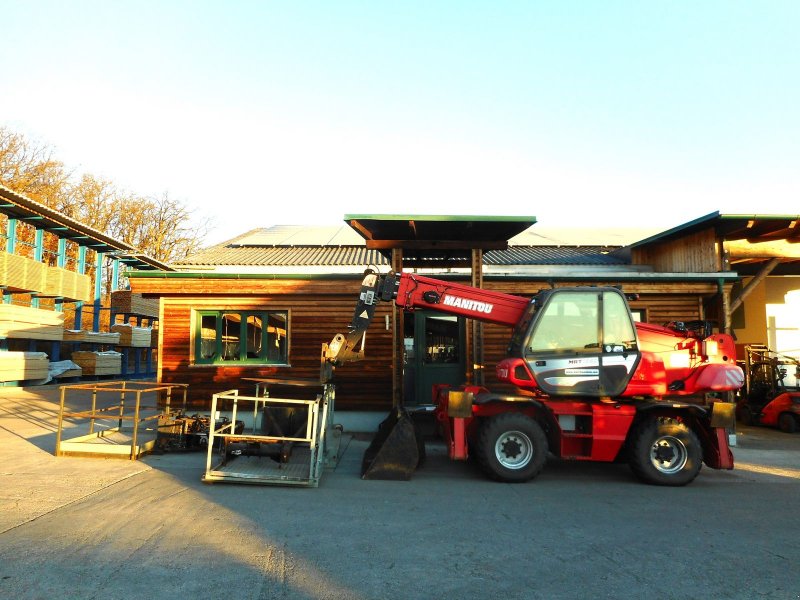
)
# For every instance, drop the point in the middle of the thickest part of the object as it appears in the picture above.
(98, 363)
(19, 366)
(136, 337)
(30, 323)
(109, 338)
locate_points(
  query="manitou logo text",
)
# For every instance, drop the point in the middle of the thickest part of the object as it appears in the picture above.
(481, 307)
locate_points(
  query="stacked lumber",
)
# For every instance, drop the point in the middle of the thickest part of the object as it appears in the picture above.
(129, 335)
(110, 338)
(26, 322)
(63, 283)
(127, 303)
(98, 363)
(19, 366)
(20, 274)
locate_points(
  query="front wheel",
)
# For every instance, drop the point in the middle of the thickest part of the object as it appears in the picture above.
(665, 452)
(512, 447)
(787, 422)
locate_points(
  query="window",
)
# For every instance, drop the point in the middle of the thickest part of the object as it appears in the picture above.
(583, 322)
(255, 337)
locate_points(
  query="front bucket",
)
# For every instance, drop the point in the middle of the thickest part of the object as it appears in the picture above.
(395, 451)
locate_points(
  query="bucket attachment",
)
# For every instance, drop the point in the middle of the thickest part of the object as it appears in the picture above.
(395, 451)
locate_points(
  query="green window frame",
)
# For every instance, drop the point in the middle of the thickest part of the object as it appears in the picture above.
(241, 337)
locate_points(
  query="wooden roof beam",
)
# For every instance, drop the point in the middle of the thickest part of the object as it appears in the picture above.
(436, 245)
(738, 249)
(754, 282)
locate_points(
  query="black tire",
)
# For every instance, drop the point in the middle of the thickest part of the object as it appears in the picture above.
(665, 452)
(512, 447)
(787, 422)
(746, 416)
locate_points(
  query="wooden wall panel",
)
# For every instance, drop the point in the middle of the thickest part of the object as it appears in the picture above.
(314, 318)
(321, 308)
(694, 253)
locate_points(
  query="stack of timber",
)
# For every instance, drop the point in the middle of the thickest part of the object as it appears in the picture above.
(26, 322)
(62, 283)
(19, 366)
(135, 337)
(98, 363)
(126, 303)
(109, 338)
(20, 274)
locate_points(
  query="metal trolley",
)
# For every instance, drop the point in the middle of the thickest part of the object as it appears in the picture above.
(288, 441)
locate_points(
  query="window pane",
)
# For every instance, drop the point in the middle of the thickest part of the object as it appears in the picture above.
(231, 336)
(617, 326)
(276, 338)
(255, 336)
(441, 339)
(569, 322)
(208, 336)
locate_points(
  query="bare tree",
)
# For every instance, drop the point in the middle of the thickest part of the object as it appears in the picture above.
(161, 227)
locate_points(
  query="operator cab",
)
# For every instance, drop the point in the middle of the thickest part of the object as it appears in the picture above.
(578, 342)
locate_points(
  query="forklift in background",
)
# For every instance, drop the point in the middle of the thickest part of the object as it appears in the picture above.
(766, 399)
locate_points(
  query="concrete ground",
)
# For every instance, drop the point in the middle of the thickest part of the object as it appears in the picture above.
(109, 528)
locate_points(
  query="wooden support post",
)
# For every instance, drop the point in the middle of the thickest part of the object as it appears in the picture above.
(754, 282)
(726, 306)
(398, 331)
(477, 327)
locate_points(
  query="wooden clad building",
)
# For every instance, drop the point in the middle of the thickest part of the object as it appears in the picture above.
(262, 304)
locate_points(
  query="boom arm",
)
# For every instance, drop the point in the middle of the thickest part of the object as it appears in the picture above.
(410, 291)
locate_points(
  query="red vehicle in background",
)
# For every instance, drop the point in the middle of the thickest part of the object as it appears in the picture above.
(765, 398)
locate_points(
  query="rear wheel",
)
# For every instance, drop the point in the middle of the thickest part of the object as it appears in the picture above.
(787, 422)
(512, 447)
(665, 452)
(745, 415)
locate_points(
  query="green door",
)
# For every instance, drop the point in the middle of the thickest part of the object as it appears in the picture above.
(434, 345)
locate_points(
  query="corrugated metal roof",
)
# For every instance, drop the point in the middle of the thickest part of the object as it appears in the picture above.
(238, 254)
(286, 256)
(552, 255)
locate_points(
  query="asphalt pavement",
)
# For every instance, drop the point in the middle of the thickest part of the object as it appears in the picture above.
(92, 528)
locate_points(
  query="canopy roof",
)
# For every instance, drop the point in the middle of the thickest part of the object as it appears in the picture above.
(428, 240)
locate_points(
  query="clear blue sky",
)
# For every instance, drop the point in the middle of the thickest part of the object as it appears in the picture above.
(576, 112)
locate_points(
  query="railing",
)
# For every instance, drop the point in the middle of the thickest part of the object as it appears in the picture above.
(286, 442)
(114, 441)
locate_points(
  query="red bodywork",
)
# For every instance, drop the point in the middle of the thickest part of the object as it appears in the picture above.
(670, 362)
(787, 402)
(667, 355)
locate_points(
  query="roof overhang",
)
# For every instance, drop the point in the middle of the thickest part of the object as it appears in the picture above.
(22, 208)
(437, 240)
(749, 241)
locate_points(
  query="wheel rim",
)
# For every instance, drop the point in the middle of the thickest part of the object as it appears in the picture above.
(513, 450)
(668, 454)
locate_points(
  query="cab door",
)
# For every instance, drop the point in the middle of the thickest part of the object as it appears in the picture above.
(435, 354)
(582, 342)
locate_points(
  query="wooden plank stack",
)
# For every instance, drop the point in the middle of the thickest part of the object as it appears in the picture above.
(21, 274)
(26, 322)
(68, 284)
(19, 366)
(110, 338)
(98, 363)
(131, 336)
(125, 302)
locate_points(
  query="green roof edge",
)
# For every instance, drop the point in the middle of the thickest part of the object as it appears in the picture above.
(515, 219)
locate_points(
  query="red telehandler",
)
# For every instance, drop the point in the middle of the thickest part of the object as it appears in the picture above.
(591, 383)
